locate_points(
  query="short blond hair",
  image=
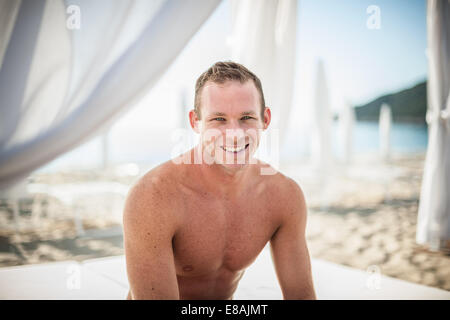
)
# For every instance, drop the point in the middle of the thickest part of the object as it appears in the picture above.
(221, 72)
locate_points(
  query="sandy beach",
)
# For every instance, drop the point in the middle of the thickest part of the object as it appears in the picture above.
(362, 215)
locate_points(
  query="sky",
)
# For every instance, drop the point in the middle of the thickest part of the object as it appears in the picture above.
(364, 63)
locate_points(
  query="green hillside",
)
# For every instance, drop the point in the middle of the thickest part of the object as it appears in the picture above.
(408, 105)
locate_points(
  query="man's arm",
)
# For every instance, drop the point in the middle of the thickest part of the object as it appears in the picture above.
(289, 250)
(148, 231)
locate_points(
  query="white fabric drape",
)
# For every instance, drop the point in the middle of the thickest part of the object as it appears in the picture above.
(433, 227)
(8, 15)
(60, 86)
(264, 40)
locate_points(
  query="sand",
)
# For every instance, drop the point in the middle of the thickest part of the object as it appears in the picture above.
(363, 215)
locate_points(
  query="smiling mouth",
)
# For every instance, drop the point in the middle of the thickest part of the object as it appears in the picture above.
(235, 149)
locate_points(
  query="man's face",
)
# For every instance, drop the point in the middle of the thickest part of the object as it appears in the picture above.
(231, 123)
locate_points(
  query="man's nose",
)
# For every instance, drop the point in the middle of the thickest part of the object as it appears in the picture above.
(234, 134)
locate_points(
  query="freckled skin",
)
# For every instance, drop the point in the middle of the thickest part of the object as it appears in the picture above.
(191, 230)
(188, 268)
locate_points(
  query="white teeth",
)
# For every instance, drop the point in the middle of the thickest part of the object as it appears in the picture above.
(233, 149)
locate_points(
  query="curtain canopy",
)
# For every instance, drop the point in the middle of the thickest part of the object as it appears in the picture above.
(433, 225)
(70, 68)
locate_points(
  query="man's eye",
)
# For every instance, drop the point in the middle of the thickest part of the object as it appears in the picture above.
(246, 118)
(219, 119)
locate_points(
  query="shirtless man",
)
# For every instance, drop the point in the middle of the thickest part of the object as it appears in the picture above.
(191, 230)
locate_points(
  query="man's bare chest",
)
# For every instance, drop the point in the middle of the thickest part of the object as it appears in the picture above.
(220, 234)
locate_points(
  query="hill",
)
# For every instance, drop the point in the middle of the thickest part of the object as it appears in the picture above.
(408, 105)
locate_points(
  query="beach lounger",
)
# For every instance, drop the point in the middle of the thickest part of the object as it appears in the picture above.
(67, 280)
(106, 278)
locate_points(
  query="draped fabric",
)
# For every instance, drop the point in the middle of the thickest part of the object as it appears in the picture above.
(433, 225)
(264, 40)
(70, 68)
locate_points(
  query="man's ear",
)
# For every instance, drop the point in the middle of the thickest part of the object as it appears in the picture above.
(267, 117)
(194, 121)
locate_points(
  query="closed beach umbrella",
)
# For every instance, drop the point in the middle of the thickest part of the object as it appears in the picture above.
(433, 225)
(105, 149)
(346, 123)
(385, 124)
(184, 108)
(321, 134)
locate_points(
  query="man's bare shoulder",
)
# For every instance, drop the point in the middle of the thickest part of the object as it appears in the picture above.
(284, 192)
(280, 184)
(153, 196)
(285, 199)
(292, 201)
(163, 176)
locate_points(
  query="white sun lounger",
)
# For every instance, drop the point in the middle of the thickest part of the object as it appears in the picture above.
(106, 278)
(333, 281)
(67, 280)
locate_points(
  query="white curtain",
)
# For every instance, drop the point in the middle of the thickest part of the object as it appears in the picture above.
(264, 40)
(433, 228)
(70, 68)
